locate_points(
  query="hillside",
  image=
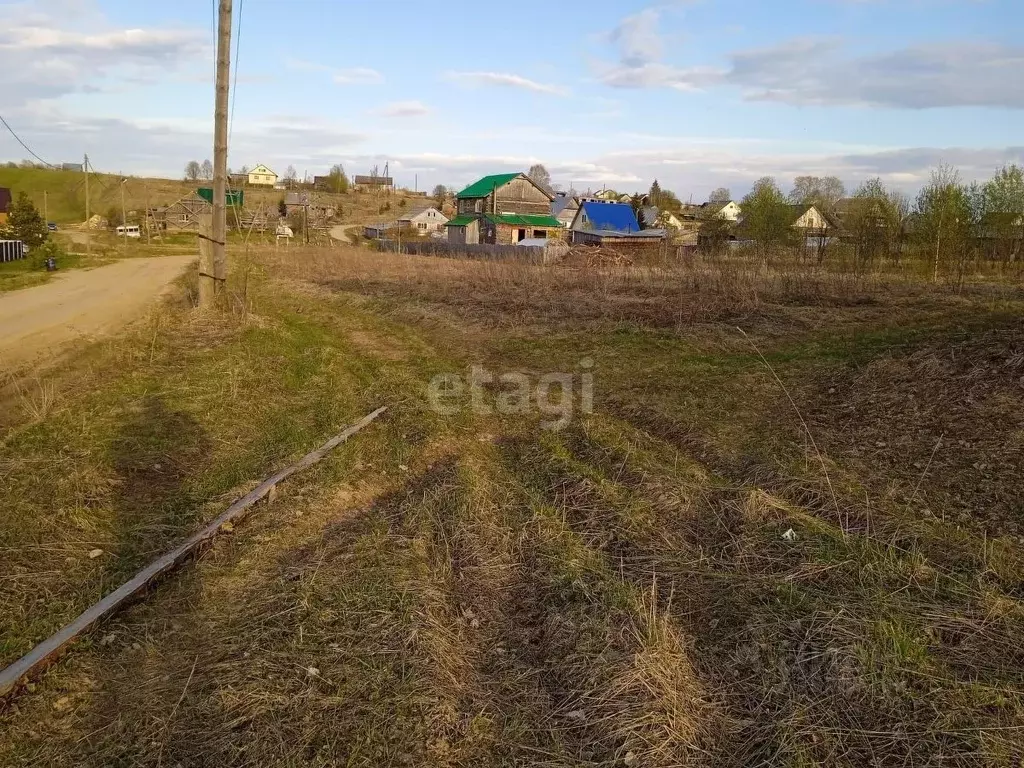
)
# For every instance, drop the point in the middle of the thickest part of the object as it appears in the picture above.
(65, 194)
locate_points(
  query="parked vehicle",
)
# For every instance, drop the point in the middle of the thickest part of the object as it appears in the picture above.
(51, 226)
(129, 231)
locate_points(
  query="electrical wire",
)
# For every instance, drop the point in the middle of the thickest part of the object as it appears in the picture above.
(234, 85)
(23, 144)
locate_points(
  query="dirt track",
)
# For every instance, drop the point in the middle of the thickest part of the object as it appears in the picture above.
(78, 304)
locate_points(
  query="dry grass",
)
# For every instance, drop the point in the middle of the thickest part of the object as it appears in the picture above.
(474, 591)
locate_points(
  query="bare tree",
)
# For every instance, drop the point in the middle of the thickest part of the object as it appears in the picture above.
(193, 170)
(720, 195)
(207, 170)
(440, 195)
(823, 191)
(540, 176)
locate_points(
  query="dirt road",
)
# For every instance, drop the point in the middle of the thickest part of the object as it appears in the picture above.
(342, 233)
(80, 304)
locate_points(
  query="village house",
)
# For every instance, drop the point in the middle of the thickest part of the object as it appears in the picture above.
(261, 176)
(5, 203)
(189, 214)
(656, 218)
(423, 218)
(564, 208)
(723, 209)
(614, 225)
(503, 209)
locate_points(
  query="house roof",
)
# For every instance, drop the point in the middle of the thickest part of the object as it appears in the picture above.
(261, 169)
(524, 219)
(561, 202)
(5, 199)
(416, 210)
(461, 221)
(617, 217)
(487, 184)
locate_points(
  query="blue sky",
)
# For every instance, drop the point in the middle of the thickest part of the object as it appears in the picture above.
(696, 93)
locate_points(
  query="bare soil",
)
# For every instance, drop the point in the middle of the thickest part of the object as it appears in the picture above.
(79, 305)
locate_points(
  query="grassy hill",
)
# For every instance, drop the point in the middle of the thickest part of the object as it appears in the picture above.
(65, 194)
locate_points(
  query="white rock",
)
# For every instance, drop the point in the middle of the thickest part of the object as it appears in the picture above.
(93, 554)
(789, 535)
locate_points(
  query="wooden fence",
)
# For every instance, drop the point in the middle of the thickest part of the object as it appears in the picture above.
(518, 253)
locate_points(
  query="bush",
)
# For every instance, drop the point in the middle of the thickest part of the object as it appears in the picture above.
(50, 249)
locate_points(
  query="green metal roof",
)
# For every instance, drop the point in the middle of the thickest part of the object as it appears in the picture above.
(487, 184)
(526, 220)
(461, 221)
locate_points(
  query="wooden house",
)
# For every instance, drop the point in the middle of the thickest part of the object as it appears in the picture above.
(564, 208)
(5, 203)
(185, 215)
(424, 219)
(502, 210)
(262, 176)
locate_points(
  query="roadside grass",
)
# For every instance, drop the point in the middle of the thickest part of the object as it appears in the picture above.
(473, 590)
(152, 433)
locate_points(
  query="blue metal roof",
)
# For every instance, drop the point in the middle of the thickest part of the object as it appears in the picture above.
(610, 216)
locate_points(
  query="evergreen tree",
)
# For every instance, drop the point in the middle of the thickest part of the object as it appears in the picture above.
(26, 223)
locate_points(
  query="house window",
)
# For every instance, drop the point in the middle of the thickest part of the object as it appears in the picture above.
(520, 235)
(540, 233)
(421, 225)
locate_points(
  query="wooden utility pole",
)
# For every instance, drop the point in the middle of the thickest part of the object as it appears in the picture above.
(46, 210)
(124, 214)
(213, 271)
(88, 238)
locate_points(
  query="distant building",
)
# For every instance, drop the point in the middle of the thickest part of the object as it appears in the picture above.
(723, 209)
(5, 203)
(613, 224)
(502, 210)
(262, 176)
(425, 219)
(72, 167)
(374, 183)
(564, 208)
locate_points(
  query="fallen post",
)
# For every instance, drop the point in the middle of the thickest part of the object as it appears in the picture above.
(47, 651)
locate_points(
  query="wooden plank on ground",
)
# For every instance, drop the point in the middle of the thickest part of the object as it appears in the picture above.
(36, 660)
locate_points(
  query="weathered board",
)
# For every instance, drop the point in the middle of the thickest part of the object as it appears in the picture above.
(47, 651)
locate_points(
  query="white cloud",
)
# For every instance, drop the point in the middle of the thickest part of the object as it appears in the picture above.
(413, 108)
(347, 76)
(52, 50)
(505, 80)
(358, 76)
(820, 72)
(638, 38)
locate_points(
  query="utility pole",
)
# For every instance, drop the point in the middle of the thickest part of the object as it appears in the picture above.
(145, 188)
(46, 209)
(212, 276)
(88, 238)
(124, 214)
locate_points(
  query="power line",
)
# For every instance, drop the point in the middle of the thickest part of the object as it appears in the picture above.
(23, 144)
(234, 85)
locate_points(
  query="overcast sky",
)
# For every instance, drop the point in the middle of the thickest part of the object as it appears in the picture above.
(695, 93)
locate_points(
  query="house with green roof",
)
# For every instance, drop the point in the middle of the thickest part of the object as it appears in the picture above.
(502, 210)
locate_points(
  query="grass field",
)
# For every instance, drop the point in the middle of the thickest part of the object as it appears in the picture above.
(789, 533)
(64, 198)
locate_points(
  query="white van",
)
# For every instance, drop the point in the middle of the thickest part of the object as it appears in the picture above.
(129, 231)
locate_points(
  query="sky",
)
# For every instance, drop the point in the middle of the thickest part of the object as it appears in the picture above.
(698, 94)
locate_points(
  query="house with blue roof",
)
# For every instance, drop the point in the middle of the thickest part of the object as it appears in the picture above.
(606, 223)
